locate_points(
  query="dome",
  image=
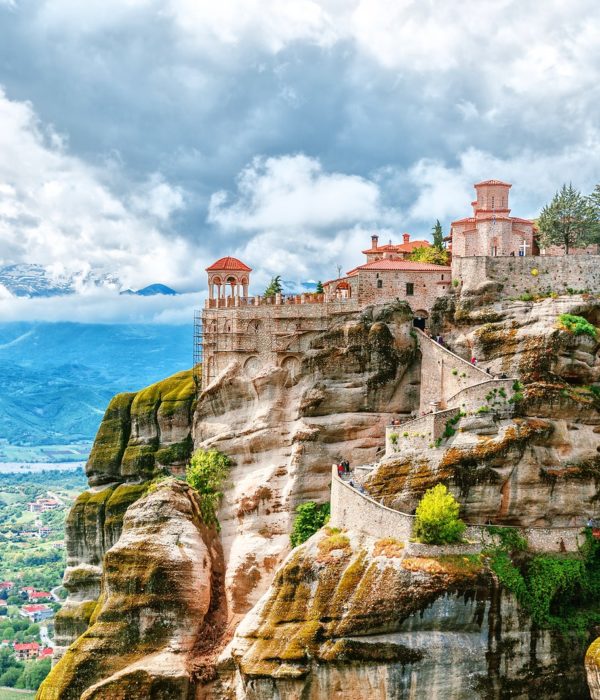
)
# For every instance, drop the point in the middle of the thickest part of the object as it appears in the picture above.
(228, 264)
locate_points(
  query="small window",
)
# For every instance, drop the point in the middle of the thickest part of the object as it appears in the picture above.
(492, 201)
(442, 276)
(410, 289)
(379, 284)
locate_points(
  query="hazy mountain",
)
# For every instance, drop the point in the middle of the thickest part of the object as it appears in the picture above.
(151, 290)
(57, 378)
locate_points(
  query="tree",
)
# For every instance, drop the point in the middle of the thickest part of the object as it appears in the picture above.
(319, 287)
(274, 287)
(10, 677)
(429, 254)
(594, 202)
(34, 673)
(570, 220)
(310, 517)
(205, 473)
(437, 520)
(438, 235)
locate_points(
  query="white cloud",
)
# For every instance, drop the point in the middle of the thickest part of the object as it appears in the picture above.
(293, 192)
(60, 211)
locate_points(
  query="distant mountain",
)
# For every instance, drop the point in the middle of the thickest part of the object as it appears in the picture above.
(151, 290)
(56, 379)
(25, 280)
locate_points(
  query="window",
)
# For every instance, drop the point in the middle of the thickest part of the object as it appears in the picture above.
(492, 201)
(410, 289)
(442, 276)
(379, 284)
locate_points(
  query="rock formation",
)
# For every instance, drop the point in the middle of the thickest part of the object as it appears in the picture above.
(343, 616)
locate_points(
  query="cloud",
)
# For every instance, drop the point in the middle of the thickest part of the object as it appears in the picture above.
(59, 210)
(294, 192)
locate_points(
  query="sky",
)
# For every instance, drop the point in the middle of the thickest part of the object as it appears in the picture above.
(147, 138)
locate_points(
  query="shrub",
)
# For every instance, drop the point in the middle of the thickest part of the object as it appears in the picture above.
(526, 297)
(454, 372)
(437, 520)
(394, 438)
(205, 473)
(577, 325)
(483, 409)
(310, 517)
(455, 283)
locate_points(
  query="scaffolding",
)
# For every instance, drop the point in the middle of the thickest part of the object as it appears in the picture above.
(198, 351)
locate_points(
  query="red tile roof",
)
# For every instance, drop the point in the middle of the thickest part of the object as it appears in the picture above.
(28, 646)
(39, 594)
(37, 607)
(229, 263)
(387, 264)
(492, 182)
(398, 248)
(48, 651)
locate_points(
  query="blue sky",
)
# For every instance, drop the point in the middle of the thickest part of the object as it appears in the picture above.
(146, 138)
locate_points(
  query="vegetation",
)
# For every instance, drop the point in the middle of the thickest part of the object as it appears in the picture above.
(205, 473)
(570, 220)
(310, 517)
(577, 325)
(431, 255)
(559, 591)
(274, 287)
(438, 235)
(319, 288)
(437, 520)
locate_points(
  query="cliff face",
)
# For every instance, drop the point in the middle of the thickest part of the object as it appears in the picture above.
(154, 595)
(357, 618)
(282, 433)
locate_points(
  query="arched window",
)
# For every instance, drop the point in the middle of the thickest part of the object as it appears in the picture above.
(379, 284)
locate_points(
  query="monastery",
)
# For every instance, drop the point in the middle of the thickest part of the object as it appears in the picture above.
(491, 252)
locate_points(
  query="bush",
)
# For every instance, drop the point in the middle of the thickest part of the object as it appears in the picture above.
(205, 473)
(394, 438)
(437, 520)
(577, 325)
(310, 517)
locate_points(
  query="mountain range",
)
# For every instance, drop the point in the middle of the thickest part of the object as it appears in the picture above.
(32, 280)
(57, 378)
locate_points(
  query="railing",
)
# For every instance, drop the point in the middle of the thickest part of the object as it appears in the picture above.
(452, 354)
(277, 300)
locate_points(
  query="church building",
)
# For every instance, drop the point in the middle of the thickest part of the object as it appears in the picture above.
(491, 231)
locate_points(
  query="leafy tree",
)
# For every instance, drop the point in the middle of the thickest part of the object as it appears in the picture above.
(430, 254)
(274, 287)
(205, 473)
(570, 220)
(437, 520)
(34, 674)
(438, 235)
(310, 517)
(10, 677)
(319, 287)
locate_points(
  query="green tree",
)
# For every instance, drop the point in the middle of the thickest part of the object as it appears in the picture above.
(310, 517)
(570, 220)
(438, 235)
(319, 287)
(205, 473)
(437, 520)
(274, 287)
(10, 677)
(429, 254)
(34, 674)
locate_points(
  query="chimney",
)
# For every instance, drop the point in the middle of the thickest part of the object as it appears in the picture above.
(374, 240)
(405, 237)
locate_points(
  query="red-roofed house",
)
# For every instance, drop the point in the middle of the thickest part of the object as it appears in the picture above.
(6, 585)
(388, 275)
(491, 231)
(29, 650)
(39, 595)
(36, 612)
(46, 653)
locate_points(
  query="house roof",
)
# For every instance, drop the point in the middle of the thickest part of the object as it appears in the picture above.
(492, 182)
(398, 248)
(26, 646)
(387, 264)
(228, 263)
(38, 607)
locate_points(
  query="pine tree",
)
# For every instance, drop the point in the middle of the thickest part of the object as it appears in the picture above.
(319, 287)
(274, 287)
(438, 235)
(594, 202)
(570, 220)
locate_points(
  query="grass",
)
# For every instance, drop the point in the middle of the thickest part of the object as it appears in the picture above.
(11, 694)
(10, 498)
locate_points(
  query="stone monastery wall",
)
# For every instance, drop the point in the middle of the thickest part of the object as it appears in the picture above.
(529, 274)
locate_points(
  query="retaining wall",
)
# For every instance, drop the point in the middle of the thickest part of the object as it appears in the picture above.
(473, 397)
(537, 274)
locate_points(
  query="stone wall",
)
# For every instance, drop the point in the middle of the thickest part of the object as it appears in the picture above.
(493, 393)
(357, 511)
(427, 286)
(444, 374)
(538, 274)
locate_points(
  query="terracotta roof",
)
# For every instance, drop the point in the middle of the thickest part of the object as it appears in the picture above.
(229, 263)
(521, 221)
(37, 607)
(387, 264)
(398, 248)
(33, 646)
(466, 220)
(492, 182)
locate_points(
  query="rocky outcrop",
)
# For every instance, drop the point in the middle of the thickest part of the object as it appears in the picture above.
(349, 617)
(161, 591)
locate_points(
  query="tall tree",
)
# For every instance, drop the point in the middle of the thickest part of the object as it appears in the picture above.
(438, 235)
(569, 220)
(430, 254)
(319, 289)
(274, 287)
(594, 201)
